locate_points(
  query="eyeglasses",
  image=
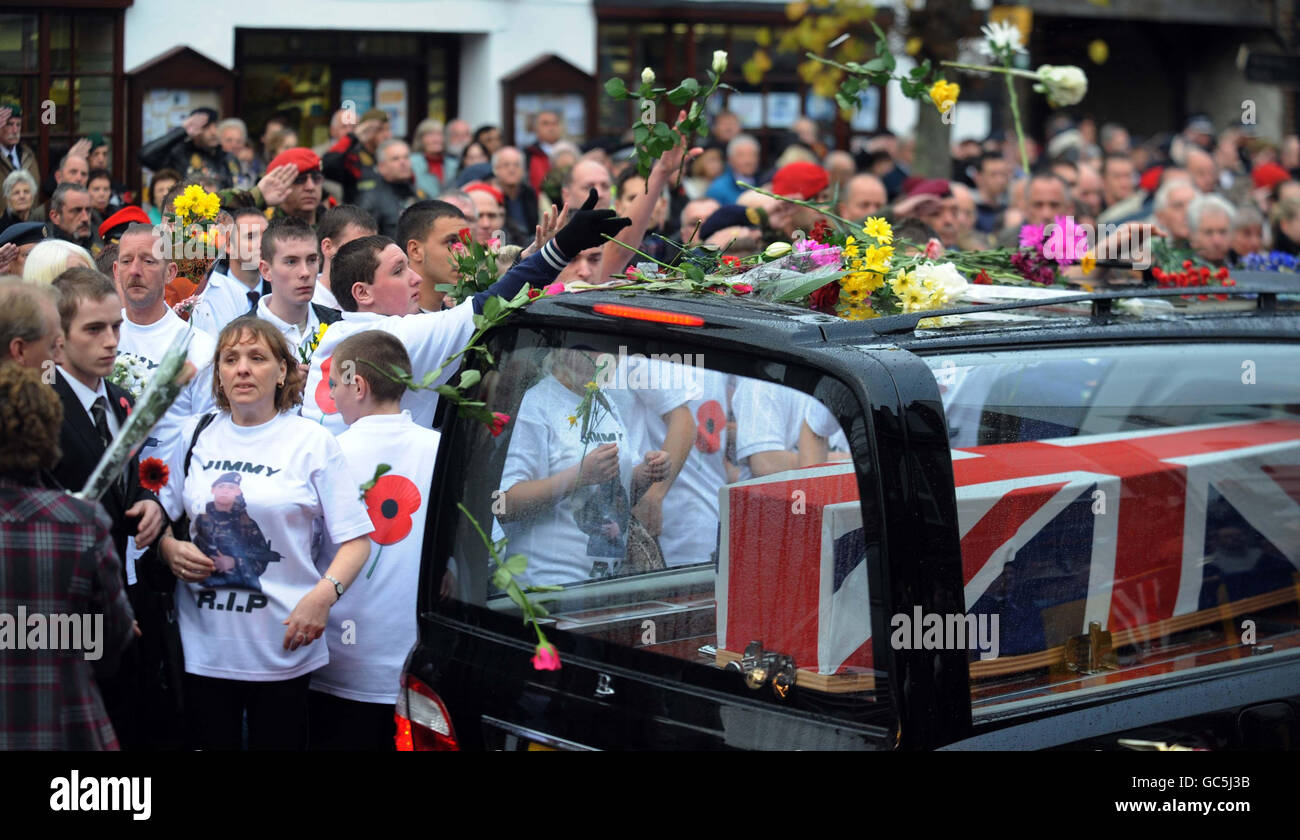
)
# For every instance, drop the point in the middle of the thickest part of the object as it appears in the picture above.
(312, 175)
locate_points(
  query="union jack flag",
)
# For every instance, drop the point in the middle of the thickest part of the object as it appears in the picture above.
(1124, 529)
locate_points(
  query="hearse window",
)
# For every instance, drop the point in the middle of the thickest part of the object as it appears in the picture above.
(1125, 512)
(688, 505)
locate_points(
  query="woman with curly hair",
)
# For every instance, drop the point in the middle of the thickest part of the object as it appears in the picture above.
(56, 558)
(244, 577)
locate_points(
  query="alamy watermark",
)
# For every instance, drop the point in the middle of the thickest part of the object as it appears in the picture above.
(639, 372)
(945, 631)
(57, 631)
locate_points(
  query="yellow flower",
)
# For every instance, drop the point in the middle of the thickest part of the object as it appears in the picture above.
(209, 206)
(879, 229)
(913, 45)
(591, 386)
(573, 420)
(1088, 263)
(877, 257)
(183, 205)
(902, 281)
(944, 95)
(915, 299)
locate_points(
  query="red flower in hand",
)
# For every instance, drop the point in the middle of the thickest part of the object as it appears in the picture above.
(499, 421)
(708, 434)
(390, 502)
(153, 474)
(465, 235)
(323, 398)
(546, 657)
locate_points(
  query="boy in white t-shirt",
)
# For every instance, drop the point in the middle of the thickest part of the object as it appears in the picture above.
(370, 632)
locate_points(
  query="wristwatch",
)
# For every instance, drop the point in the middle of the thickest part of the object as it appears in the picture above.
(338, 587)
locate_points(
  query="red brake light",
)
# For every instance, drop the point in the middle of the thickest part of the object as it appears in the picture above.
(618, 310)
(422, 719)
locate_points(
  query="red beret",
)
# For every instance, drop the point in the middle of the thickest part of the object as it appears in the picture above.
(1150, 180)
(481, 186)
(916, 185)
(305, 159)
(1269, 175)
(122, 218)
(800, 179)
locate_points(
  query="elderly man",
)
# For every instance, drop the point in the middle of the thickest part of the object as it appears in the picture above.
(232, 133)
(864, 195)
(1048, 198)
(1172, 201)
(841, 167)
(73, 169)
(351, 159)
(70, 215)
(549, 128)
(1114, 139)
(1116, 179)
(1210, 218)
(394, 190)
(585, 176)
(742, 165)
(194, 150)
(1247, 233)
(30, 330)
(457, 135)
(1205, 173)
(508, 176)
(930, 200)
(14, 154)
(806, 182)
(964, 214)
(1285, 217)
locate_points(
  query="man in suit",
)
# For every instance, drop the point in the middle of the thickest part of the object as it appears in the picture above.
(14, 154)
(93, 412)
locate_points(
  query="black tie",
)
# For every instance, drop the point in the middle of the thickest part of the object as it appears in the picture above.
(99, 410)
(13, 156)
(253, 295)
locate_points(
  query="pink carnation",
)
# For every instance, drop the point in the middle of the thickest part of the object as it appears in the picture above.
(556, 288)
(933, 249)
(1031, 236)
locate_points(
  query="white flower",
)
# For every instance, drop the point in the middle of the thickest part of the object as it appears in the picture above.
(942, 276)
(719, 61)
(647, 76)
(777, 250)
(1001, 39)
(1064, 84)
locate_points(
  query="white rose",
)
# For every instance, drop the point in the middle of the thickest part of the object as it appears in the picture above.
(945, 276)
(647, 76)
(719, 61)
(1064, 84)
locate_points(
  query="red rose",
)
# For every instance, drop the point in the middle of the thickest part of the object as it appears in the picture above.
(126, 405)
(1187, 264)
(732, 261)
(534, 293)
(1222, 273)
(465, 235)
(820, 231)
(742, 288)
(499, 421)
(546, 657)
(825, 298)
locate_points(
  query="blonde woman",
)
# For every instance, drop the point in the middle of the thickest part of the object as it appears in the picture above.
(51, 258)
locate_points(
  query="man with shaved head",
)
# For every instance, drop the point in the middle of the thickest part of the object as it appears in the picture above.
(864, 195)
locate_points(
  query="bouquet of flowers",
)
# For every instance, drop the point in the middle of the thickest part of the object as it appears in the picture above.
(131, 374)
(192, 243)
(475, 264)
(309, 344)
(164, 385)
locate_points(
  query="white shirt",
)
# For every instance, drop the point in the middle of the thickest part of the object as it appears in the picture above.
(292, 333)
(430, 338)
(324, 296)
(542, 443)
(768, 417)
(87, 398)
(372, 628)
(150, 343)
(294, 487)
(224, 299)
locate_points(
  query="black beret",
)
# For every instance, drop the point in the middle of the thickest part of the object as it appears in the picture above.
(24, 233)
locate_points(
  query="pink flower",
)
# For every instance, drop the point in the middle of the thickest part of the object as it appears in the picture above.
(499, 421)
(933, 249)
(546, 658)
(821, 255)
(556, 288)
(494, 243)
(1031, 236)
(458, 248)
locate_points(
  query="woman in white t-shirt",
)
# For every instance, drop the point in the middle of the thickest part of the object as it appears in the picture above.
(569, 486)
(263, 486)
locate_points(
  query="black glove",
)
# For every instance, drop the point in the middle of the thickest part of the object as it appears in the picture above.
(588, 228)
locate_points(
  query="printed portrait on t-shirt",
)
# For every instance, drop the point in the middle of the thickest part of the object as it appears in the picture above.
(229, 536)
(603, 516)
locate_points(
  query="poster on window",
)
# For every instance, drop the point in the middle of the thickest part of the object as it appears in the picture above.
(166, 108)
(390, 96)
(867, 116)
(782, 110)
(571, 106)
(359, 93)
(748, 107)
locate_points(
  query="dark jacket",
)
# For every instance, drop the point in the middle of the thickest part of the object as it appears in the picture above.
(523, 209)
(348, 162)
(174, 150)
(386, 200)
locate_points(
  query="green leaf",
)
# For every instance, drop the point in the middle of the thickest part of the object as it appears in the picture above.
(469, 378)
(876, 65)
(428, 379)
(517, 597)
(492, 307)
(640, 133)
(663, 132)
(501, 578)
(693, 271)
(691, 85)
(449, 288)
(540, 611)
(616, 88)
(517, 564)
(679, 95)
(447, 391)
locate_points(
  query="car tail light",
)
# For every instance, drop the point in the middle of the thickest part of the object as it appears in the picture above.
(639, 313)
(422, 719)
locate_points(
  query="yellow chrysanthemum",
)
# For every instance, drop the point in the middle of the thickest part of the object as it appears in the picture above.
(944, 95)
(902, 281)
(183, 205)
(915, 299)
(879, 229)
(573, 420)
(877, 258)
(209, 206)
(1088, 263)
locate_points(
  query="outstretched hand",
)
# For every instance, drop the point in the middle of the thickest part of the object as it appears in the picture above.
(589, 227)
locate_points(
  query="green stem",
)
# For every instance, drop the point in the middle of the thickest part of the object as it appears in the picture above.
(374, 562)
(639, 252)
(1015, 119)
(984, 68)
(800, 202)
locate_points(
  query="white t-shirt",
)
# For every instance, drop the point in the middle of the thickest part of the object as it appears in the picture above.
(542, 443)
(768, 417)
(429, 338)
(294, 485)
(224, 299)
(366, 657)
(298, 338)
(150, 344)
(690, 508)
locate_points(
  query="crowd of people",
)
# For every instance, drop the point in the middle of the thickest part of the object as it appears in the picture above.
(225, 577)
